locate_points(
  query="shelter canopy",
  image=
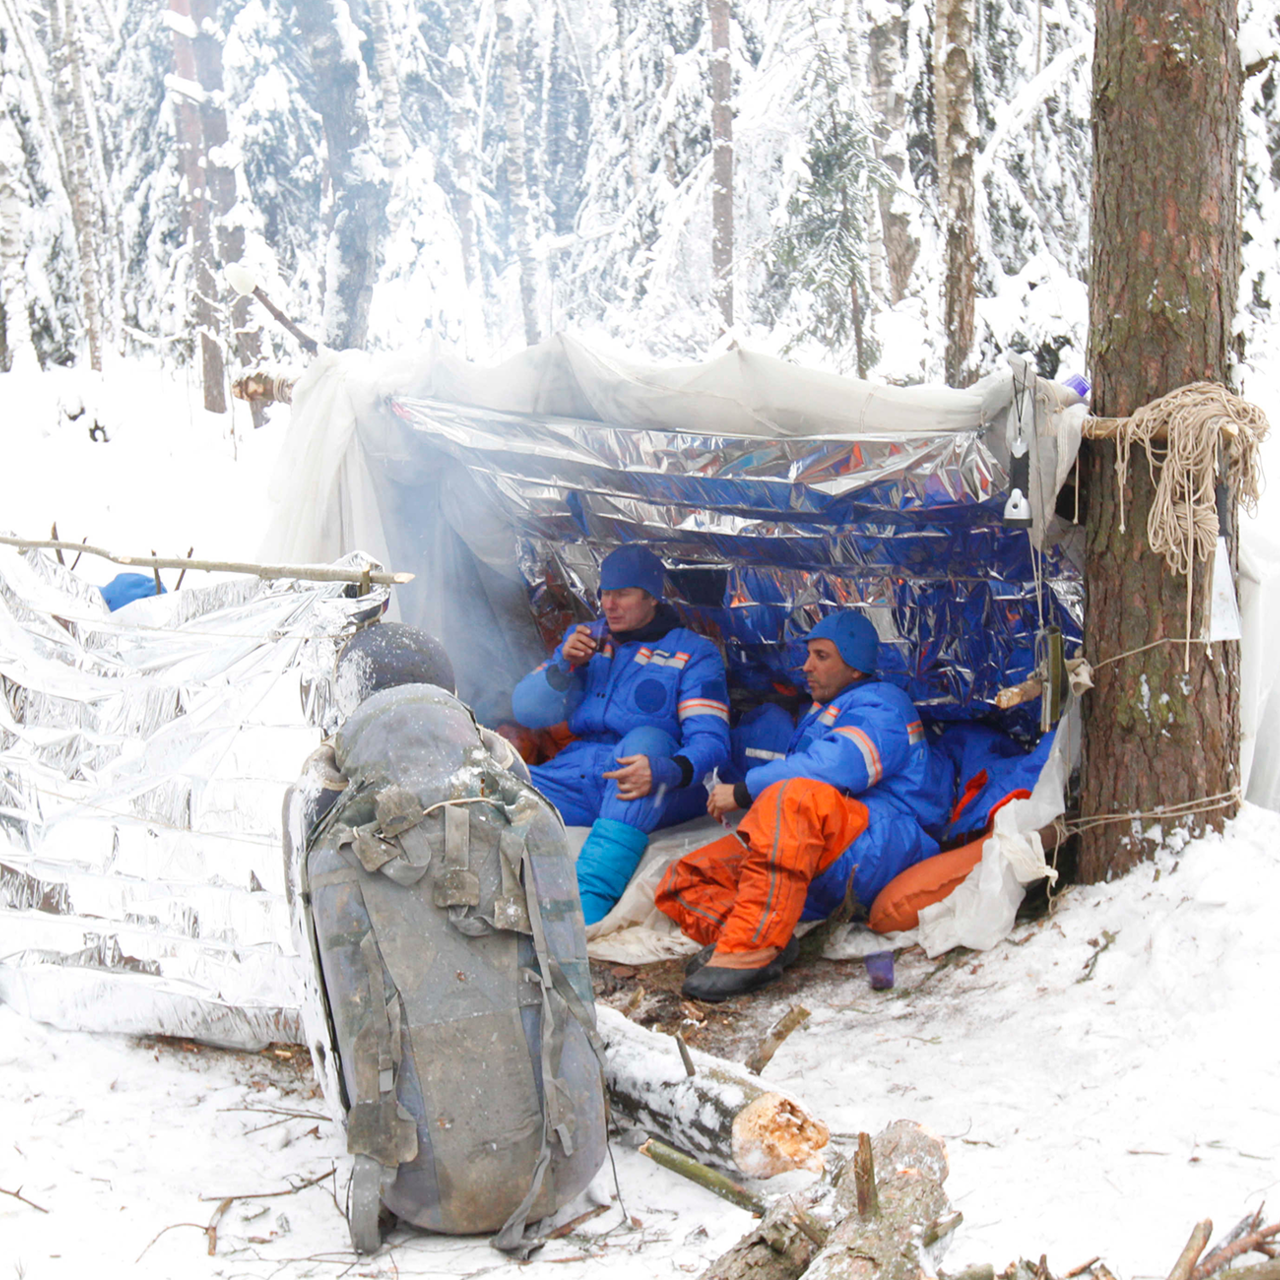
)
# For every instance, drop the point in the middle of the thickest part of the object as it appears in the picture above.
(774, 494)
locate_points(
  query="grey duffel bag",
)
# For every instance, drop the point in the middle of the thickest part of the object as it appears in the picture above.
(441, 909)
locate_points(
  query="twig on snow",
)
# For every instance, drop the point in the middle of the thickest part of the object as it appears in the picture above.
(278, 1111)
(714, 1181)
(1092, 963)
(267, 1195)
(17, 1195)
(212, 1229)
(790, 1021)
(1080, 1270)
(566, 1228)
(171, 1227)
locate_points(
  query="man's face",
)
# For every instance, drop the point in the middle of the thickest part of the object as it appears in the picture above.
(627, 608)
(826, 671)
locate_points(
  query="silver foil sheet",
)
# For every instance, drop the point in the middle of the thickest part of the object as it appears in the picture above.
(761, 535)
(144, 756)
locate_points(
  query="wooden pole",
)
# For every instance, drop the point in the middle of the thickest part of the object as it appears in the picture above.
(304, 572)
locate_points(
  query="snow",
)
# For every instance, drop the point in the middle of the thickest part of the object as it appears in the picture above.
(1102, 1078)
(1096, 1078)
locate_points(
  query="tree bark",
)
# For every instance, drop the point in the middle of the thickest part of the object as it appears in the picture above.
(721, 1115)
(517, 182)
(384, 61)
(462, 132)
(196, 205)
(721, 161)
(955, 125)
(221, 185)
(889, 109)
(357, 179)
(16, 343)
(73, 121)
(1164, 271)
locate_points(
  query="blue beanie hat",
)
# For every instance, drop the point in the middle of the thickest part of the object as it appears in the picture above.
(632, 566)
(852, 635)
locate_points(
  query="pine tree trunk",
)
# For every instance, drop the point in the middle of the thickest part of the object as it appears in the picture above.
(68, 61)
(1165, 263)
(517, 182)
(721, 160)
(956, 127)
(357, 179)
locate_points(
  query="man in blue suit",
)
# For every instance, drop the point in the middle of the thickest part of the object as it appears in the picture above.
(647, 702)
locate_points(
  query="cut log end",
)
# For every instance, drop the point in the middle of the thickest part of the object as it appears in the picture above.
(772, 1135)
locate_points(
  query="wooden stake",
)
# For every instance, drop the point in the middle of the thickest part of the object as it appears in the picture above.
(183, 574)
(864, 1173)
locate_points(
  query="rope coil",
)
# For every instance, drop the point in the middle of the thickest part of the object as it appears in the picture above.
(1208, 431)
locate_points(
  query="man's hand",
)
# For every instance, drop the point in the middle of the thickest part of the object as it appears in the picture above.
(720, 801)
(634, 778)
(579, 647)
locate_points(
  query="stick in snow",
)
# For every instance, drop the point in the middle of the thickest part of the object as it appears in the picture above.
(1192, 1249)
(712, 1179)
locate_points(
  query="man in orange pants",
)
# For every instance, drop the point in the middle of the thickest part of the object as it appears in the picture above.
(843, 812)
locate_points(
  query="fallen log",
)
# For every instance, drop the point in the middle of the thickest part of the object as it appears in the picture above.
(721, 1115)
(819, 1231)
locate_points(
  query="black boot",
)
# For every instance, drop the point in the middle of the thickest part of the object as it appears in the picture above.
(699, 958)
(713, 983)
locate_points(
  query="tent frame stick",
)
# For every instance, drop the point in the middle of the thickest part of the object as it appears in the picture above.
(304, 572)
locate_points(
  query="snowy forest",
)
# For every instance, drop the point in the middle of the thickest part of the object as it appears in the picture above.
(784, 173)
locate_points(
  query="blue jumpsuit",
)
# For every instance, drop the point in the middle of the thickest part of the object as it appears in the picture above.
(868, 742)
(664, 697)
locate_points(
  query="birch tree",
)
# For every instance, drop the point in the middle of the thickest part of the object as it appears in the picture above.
(519, 206)
(357, 179)
(721, 160)
(956, 143)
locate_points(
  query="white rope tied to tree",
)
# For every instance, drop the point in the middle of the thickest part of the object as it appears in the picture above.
(1182, 524)
(1197, 420)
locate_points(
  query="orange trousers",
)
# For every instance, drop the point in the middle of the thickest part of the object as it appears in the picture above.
(746, 892)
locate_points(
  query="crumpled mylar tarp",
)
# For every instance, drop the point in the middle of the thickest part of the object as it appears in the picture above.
(773, 493)
(144, 756)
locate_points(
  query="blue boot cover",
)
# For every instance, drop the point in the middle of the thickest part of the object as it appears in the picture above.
(610, 854)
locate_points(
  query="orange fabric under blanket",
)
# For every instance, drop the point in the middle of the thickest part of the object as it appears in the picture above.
(897, 905)
(744, 897)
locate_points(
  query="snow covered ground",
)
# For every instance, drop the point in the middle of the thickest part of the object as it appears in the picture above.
(1104, 1079)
